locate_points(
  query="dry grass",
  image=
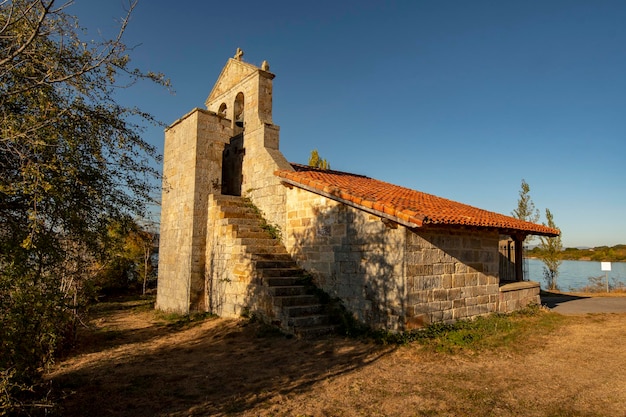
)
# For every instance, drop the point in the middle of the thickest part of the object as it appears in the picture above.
(134, 362)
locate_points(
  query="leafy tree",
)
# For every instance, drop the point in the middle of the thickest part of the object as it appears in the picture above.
(316, 161)
(550, 254)
(526, 209)
(127, 259)
(71, 160)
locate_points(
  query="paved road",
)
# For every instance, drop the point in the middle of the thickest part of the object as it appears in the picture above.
(568, 304)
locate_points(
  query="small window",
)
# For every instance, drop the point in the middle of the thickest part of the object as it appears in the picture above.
(238, 113)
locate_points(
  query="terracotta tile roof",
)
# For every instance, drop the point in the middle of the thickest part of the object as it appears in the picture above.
(409, 207)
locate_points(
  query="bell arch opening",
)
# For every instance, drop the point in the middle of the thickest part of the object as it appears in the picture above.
(234, 151)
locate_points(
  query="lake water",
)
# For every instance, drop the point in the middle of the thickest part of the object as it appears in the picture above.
(575, 274)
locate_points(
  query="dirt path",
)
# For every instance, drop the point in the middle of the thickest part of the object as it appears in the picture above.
(133, 364)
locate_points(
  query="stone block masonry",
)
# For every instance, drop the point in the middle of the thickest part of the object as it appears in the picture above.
(392, 278)
(351, 254)
(518, 295)
(193, 145)
(451, 275)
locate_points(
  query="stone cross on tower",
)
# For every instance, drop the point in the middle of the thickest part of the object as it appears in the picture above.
(238, 54)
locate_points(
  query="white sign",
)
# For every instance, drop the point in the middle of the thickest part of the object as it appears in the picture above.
(605, 266)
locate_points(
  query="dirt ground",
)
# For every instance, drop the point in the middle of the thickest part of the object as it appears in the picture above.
(131, 362)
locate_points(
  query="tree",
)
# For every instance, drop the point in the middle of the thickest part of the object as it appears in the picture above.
(71, 160)
(127, 260)
(526, 208)
(316, 161)
(550, 254)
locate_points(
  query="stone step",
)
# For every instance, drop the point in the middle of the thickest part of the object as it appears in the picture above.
(295, 300)
(223, 200)
(311, 320)
(230, 212)
(280, 272)
(265, 250)
(234, 206)
(276, 264)
(256, 242)
(290, 290)
(252, 234)
(240, 221)
(299, 312)
(248, 228)
(282, 281)
(303, 310)
(270, 257)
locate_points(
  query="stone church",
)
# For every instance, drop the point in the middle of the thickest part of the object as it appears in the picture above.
(244, 231)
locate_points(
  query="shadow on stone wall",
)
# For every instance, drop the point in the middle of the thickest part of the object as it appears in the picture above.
(386, 276)
(356, 258)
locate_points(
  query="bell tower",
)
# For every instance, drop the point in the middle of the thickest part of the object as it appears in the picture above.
(230, 148)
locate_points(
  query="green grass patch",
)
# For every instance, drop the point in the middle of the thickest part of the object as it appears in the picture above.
(180, 321)
(488, 332)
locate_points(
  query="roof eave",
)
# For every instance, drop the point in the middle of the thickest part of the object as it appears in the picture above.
(411, 219)
(501, 230)
(415, 223)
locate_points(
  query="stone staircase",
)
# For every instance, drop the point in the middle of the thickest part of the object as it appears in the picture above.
(296, 308)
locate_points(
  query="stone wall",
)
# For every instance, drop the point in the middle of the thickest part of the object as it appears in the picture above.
(351, 254)
(259, 182)
(255, 85)
(518, 295)
(451, 275)
(387, 275)
(228, 271)
(191, 170)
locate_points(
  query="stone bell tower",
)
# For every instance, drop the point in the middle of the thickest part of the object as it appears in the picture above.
(230, 148)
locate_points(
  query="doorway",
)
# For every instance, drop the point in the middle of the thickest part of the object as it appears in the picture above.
(232, 166)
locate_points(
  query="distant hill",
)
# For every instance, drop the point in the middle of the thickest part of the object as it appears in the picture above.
(615, 253)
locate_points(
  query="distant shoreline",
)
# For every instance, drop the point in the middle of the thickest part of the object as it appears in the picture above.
(615, 253)
(578, 260)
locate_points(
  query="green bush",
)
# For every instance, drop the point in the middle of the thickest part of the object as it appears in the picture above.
(33, 328)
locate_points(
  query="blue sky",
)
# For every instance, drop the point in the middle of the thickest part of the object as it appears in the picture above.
(461, 99)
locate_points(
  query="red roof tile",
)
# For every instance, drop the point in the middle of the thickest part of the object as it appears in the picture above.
(412, 207)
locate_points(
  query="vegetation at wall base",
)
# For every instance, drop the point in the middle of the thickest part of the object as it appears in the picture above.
(485, 332)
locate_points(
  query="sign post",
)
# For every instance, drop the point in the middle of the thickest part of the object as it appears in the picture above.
(606, 266)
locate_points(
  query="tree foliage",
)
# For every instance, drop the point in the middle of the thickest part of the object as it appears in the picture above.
(551, 248)
(526, 209)
(318, 162)
(615, 253)
(71, 160)
(127, 257)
